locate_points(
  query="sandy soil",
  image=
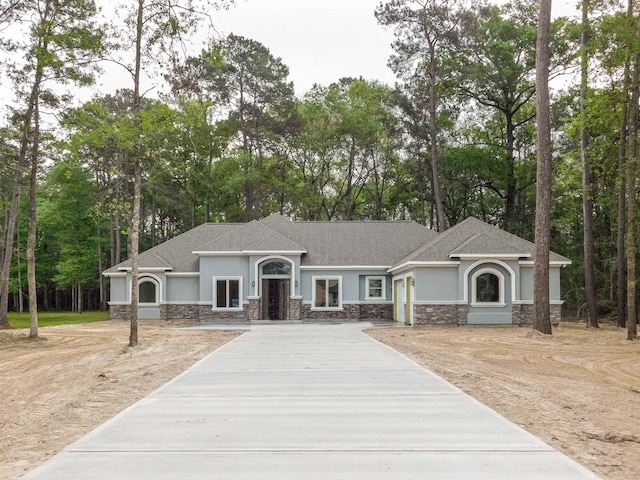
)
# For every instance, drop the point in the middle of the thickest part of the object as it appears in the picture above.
(57, 388)
(578, 390)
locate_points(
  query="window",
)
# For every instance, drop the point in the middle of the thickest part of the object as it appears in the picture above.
(327, 292)
(147, 291)
(488, 287)
(375, 288)
(226, 293)
(276, 268)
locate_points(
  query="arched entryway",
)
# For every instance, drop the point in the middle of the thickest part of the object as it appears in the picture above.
(275, 275)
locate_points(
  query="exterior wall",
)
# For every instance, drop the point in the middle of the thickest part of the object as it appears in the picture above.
(222, 266)
(118, 288)
(182, 289)
(295, 309)
(351, 311)
(523, 313)
(439, 314)
(205, 314)
(526, 283)
(437, 284)
(179, 311)
(479, 314)
(362, 285)
(119, 312)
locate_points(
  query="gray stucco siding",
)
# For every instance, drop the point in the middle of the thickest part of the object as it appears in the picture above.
(223, 266)
(182, 289)
(433, 284)
(118, 292)
(526, 283)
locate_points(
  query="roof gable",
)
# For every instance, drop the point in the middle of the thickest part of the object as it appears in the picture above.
(250, 237)
(473, 238)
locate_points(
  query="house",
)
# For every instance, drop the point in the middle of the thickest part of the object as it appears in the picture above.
(278, 269)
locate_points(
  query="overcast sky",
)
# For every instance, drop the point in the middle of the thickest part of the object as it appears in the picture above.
(320, 41)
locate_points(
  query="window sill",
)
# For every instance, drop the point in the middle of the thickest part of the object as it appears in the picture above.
(225, 309)
(489, 305)
(327, 309)
(375, 299)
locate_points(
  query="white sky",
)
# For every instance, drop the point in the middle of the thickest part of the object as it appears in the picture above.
(320, 41)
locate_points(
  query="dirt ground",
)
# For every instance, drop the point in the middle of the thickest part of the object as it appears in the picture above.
(578, 390)
(57, 388)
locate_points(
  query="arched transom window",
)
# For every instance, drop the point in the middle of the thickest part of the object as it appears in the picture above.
(276, 268)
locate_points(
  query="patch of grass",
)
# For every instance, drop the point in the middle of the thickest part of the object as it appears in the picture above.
(49, 319)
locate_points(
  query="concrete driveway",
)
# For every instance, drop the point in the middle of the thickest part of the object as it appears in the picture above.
(309, 401)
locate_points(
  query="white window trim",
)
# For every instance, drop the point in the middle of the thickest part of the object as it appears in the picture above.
(383, 287)
(313, 292)
(497, 273)
(215, 295)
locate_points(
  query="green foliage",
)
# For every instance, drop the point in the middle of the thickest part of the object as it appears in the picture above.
(66, 217)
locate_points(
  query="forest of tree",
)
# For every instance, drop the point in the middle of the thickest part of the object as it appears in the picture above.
(223, 137)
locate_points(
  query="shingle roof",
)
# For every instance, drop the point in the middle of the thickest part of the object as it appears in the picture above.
(252, 236)
(365, 243)
(473, 237)
(345, 243)
(176, 254)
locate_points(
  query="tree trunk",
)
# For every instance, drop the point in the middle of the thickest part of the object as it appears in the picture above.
(433, 132)
(587, 183)
(542, 315)
(137, 182)
(622, 206)
(630, 243)
(5, 268)
(33, 227)
(20, 298)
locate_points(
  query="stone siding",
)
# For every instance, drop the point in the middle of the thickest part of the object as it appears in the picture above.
(295, 309)
(522, 314)
(119, 312)
(351, 311)
(179, 312)
(439, 314)
(254, 309)
(376, 311)
(208, 315)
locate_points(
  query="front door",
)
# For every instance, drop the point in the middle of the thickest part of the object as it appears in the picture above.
(275, 296)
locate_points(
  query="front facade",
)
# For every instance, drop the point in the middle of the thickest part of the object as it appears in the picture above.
(277, 269)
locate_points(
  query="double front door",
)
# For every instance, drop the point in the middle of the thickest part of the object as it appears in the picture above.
(275, 298)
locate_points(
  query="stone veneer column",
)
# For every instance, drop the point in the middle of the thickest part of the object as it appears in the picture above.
(254, 309)
(295, 309)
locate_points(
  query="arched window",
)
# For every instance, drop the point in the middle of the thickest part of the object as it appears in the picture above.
(276, 268)
(147, 291)
(487, 287)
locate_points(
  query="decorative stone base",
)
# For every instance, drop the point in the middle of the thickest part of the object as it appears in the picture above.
(119, 312)
(179, 312)
(359, 311)
(439, 314)
(295, 309)
(522, 313)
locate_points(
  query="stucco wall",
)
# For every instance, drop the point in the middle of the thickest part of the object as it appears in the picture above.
(436, 284)
(182, 289)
